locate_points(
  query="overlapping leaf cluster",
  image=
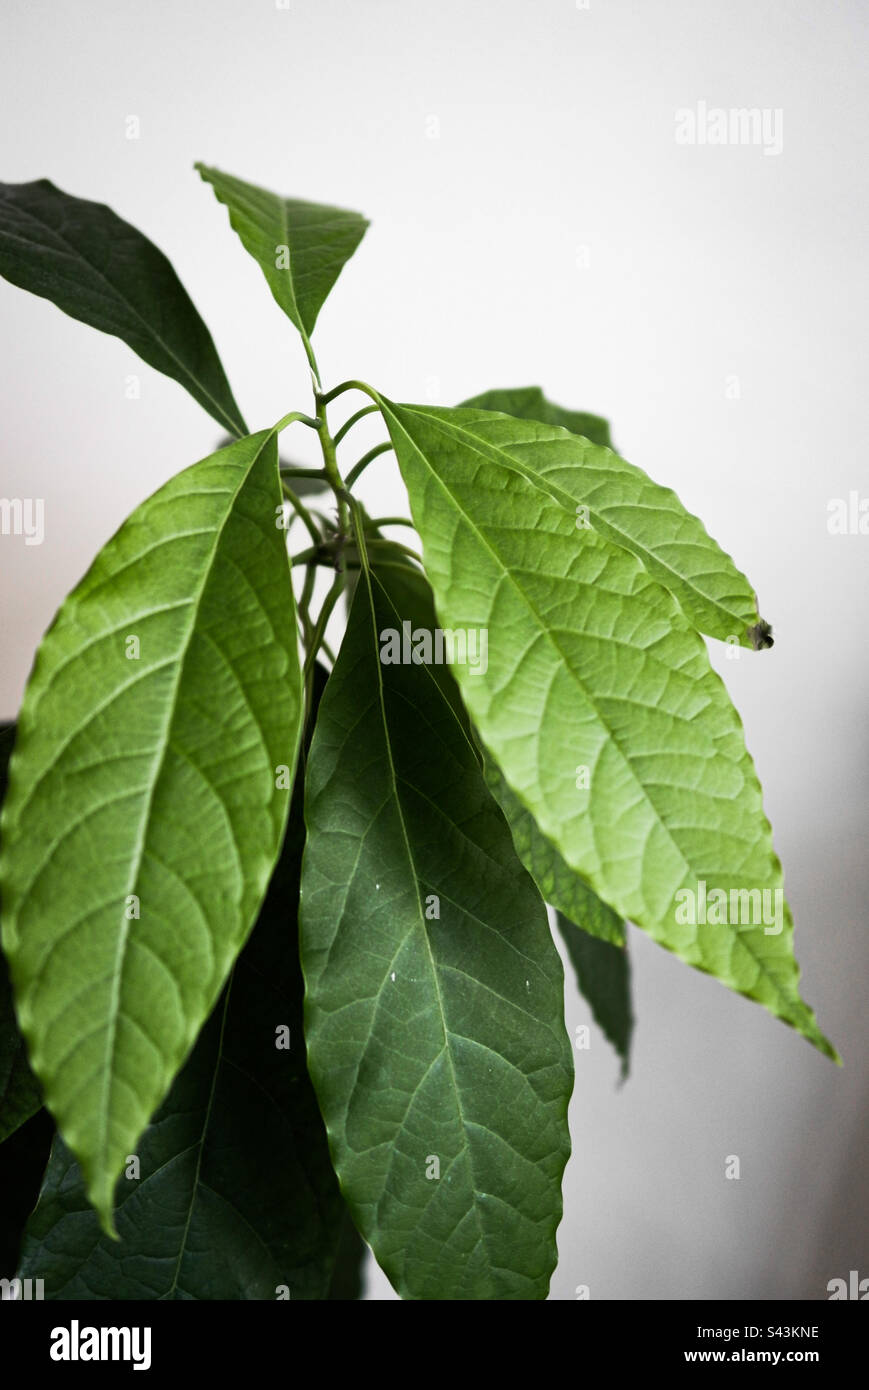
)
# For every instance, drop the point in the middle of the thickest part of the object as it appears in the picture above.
(174, 753)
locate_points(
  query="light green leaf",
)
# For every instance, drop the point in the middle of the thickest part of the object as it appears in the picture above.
(143, 781)
(560, 886)
(434, 992)
(19, 1093)
(300, 247)
(591, 664)
(529, 403)
(236, 1195)
(619, 502)
(604, 979)
(99, 269)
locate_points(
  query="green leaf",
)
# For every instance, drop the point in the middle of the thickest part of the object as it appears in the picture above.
(591, 664)
(236, 1194)
(19, 1093)
(529, 403)
(604, 978)
(432, 1039)
(300, 247)
(620, 502)
(559, 885)
(144, 781)
(99, 269)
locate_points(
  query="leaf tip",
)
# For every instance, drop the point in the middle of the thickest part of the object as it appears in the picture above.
(760, 635)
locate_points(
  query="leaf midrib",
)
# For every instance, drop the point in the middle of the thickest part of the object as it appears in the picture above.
(104, 1105)
(557, 494)
(421, 915)
(738, 937)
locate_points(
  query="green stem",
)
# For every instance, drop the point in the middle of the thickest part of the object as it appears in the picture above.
(330, 465)
(364, 462)
(293, 417)
(348, 424)
(392, 521)
(320, 627)
(301, 511)
(351, 385)
(290, 470)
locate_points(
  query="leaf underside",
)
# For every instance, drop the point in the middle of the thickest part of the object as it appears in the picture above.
(591, 663)
(143, 819)
(430, 1039)
(622, 504)
(100, 270)
(236, 1196)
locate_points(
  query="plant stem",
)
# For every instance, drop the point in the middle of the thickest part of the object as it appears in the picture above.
(320, 627)
(391, 521)
(290, 470)
(364, 462)
(348, 424)
(294, 417)
(330, 464)
(351, 385)
(301, 511)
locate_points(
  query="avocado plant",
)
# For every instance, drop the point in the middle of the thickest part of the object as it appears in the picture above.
(278, 961)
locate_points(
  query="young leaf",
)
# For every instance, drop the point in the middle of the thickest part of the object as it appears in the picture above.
(19, 1093)
(235, 1196)
(99, 269)
(434, 993)
(529, 403)
(300, 247)
(604, 978)
(559, 885)
(144, 813)
(591, 664)
(614, 499)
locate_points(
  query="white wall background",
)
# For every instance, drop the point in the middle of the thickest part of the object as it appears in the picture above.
(554, 132)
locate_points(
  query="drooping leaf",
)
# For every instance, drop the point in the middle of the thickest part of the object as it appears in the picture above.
(592, 664)
(99, 269)
(529, 403)
(615, 500)
(560, 886)
(236, 1197)
(434, 993)
(604, 978)
(300, 247)
(144, 813)
(19, 1093)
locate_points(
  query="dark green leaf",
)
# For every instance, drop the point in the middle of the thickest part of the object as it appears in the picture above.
(529, 403)
(99, 269)
(23, 1159)
(604, 978)
(19, 1093)
(434, 993)
(560, 886)
(145, 811)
